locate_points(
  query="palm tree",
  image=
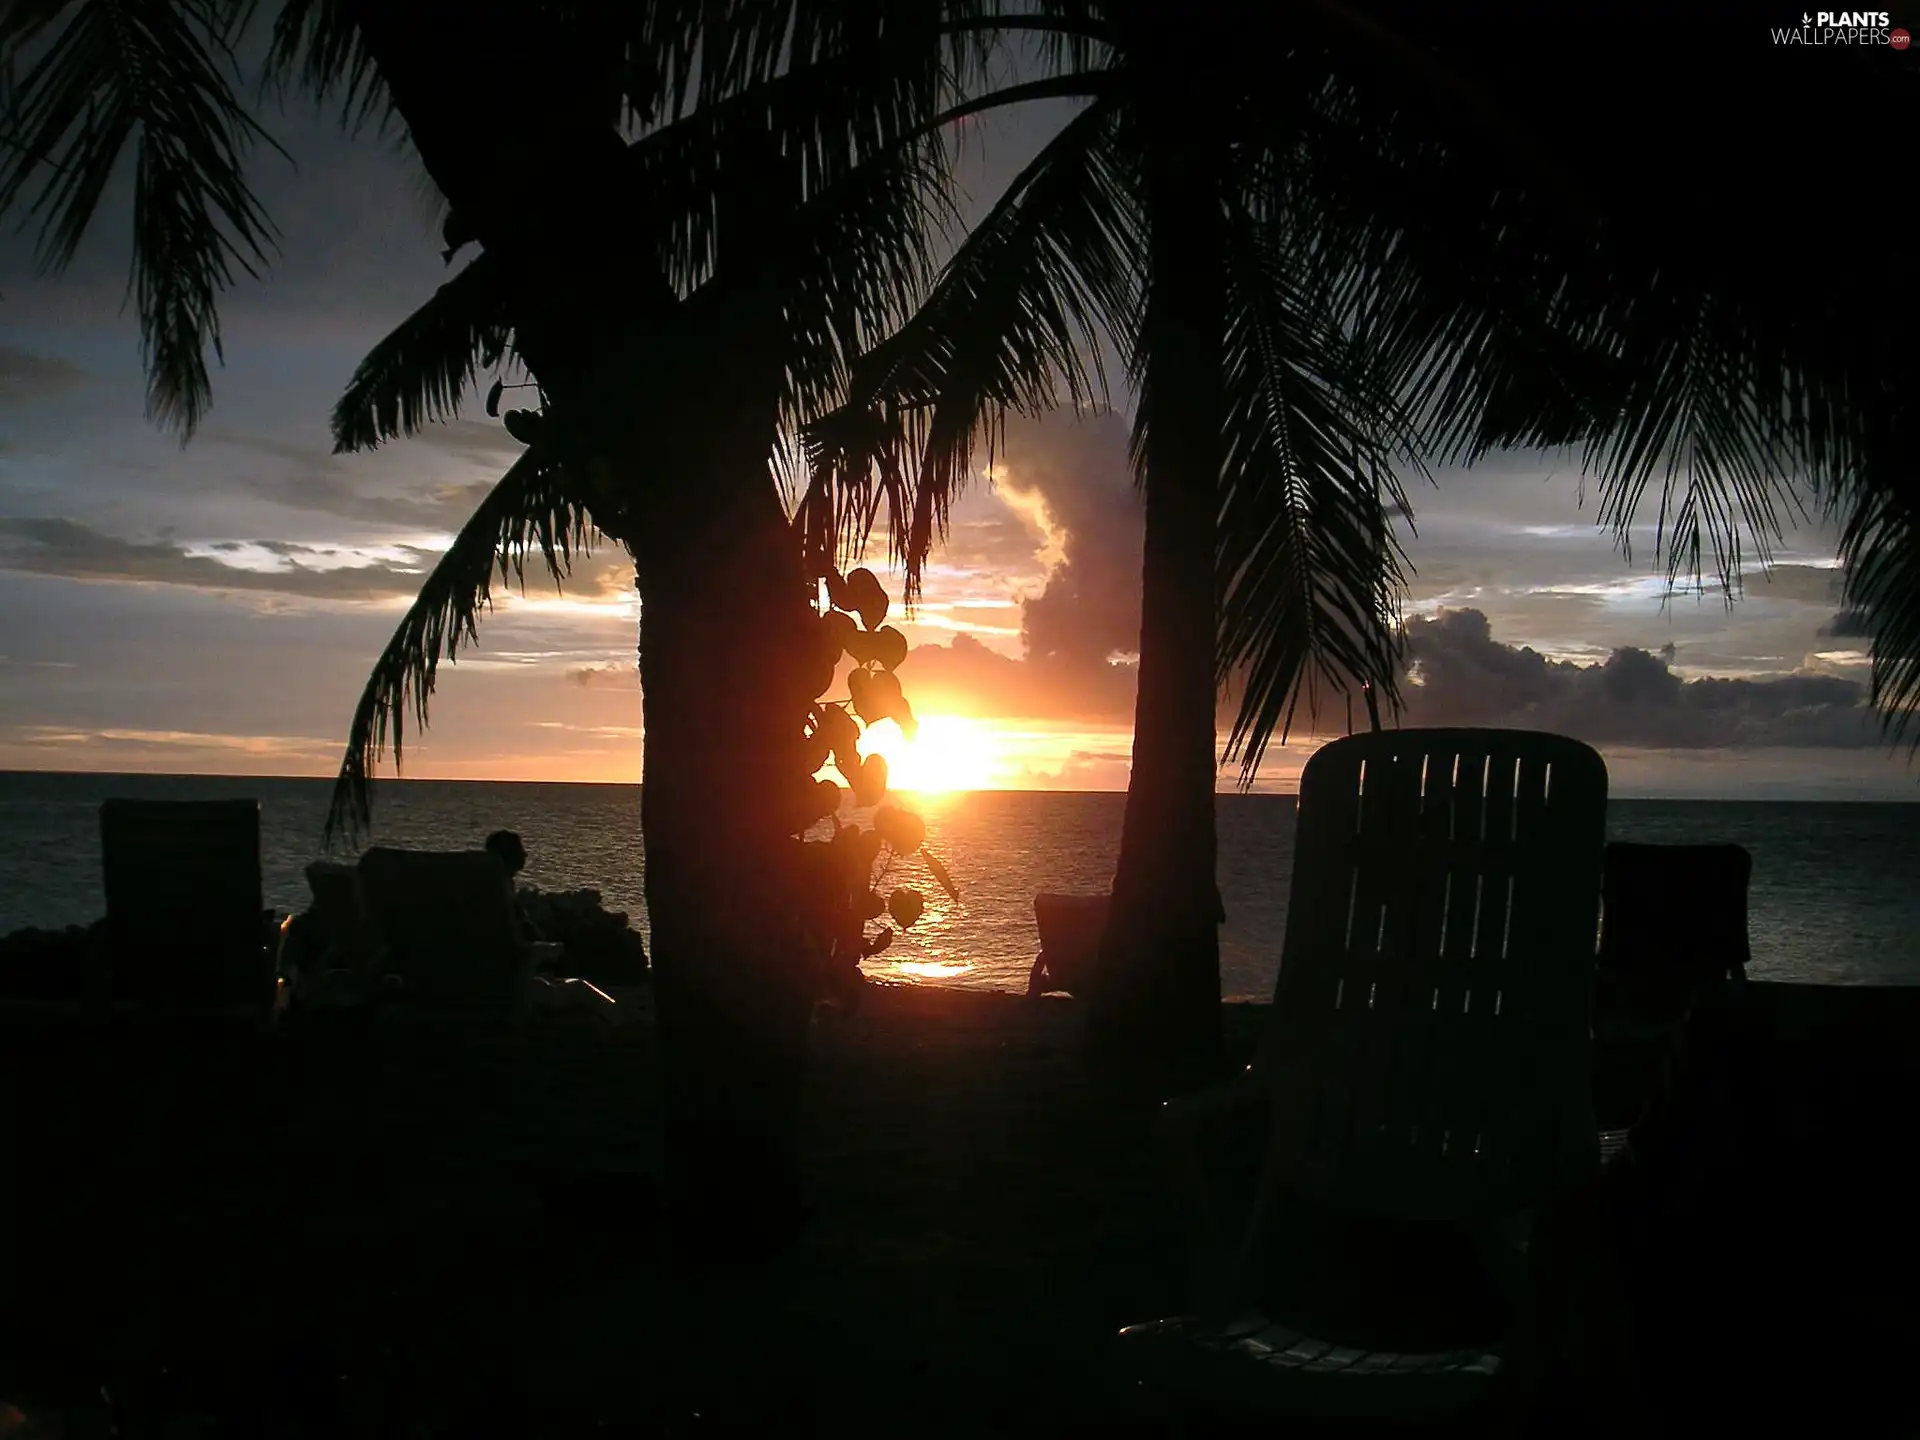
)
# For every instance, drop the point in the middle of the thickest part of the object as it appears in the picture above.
(679, 296)
(1331, 239)
(1160, 214)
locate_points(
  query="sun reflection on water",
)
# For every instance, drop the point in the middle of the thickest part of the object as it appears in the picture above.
(930, 969)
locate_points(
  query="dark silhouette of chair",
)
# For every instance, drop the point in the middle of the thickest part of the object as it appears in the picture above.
(1673, 935)
(1425, 1084)
(1070, 930)
(186, 931)
(447, 933)
(334, 945)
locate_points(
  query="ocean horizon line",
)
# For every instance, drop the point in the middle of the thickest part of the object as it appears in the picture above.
(1634, 794)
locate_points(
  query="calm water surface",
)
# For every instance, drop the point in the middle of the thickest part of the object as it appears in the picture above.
(1836, 887)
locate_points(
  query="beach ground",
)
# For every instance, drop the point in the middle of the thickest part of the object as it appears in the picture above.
(346, 1231)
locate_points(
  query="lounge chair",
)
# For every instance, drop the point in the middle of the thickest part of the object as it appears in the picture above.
(1070, 928)
(186, 931)
(334, 947)
(1425, 1088)
(449, 945)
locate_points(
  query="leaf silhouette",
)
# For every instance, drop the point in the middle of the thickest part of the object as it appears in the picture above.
(887, 647)
(818, 675)
(904, 717)
(882, 938)
(815, 750)
(837, 595)
(902, 829)
(860, 692)
(938, 870)
(866, 597)
(493, 399)
(883, 697)
(905, 905)
(840, 632)
(871, 786)
(842, 735)
(524, 425)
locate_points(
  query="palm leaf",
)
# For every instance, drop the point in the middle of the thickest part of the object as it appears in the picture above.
(859, 99)
(533, 509)
(316, 45)
(1880, 548)
(158, 70)
(419, 372)
(1014, 318)
(1310, 569)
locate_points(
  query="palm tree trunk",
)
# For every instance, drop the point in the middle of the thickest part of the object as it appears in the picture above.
(722, 595)
(1158, 1000)
(722, 603)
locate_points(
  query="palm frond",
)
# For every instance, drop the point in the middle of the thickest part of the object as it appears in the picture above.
(823, 120)
(533, 510)
(1014, 318)
(1640, 319)
(1310, 569)
(1880, 549)
(419, 372)
(156, 75)
(852, 267)
(317, 46)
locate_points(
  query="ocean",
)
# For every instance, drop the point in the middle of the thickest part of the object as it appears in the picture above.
(1835, 897)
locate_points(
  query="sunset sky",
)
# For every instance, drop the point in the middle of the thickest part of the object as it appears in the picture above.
(216, 609)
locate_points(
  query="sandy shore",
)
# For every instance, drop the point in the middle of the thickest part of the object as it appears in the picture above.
(338, 1232)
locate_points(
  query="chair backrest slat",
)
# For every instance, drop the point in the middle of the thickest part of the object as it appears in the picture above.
(1428, 1042)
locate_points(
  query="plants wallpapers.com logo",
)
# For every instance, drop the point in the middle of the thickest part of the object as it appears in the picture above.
(1844, 27)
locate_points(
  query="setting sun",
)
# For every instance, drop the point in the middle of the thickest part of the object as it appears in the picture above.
(949, 753)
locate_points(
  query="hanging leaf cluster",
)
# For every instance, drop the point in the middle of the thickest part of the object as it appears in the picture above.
(843, 872)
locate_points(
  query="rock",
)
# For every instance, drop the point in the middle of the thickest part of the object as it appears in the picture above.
(601, 945)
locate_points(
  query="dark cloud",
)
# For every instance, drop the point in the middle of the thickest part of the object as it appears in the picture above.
(71, 550)
(26, 377)
(327, 491)
(1079, 469)
(1461, 675)
(1817, 584)
(594, 677)
(1070, 484)
(307, 477)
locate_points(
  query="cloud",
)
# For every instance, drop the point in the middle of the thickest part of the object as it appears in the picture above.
(1069, 505)
(68, 549)
(26, 377)
(325, 491)
(71, 550)
(68, 737)
(1460, 675)
(966, 677)
(1073, 482)
(611, 677)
